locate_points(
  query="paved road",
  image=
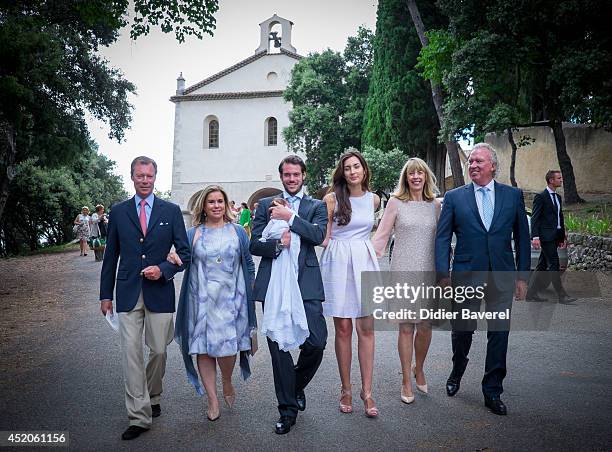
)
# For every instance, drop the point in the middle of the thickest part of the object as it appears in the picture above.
(63, 373)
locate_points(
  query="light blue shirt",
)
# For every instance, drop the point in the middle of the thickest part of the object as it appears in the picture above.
(148, 206)
(478, 194)
(296, 205)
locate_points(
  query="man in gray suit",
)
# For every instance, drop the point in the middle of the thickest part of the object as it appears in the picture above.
(310, 224)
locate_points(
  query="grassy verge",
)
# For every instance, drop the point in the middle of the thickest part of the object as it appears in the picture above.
(593, 219)
(54, 249)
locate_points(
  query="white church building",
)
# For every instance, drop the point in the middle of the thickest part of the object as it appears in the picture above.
(228, 127)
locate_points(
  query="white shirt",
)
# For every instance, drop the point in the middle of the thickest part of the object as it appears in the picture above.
(556, 204)
(478, 194)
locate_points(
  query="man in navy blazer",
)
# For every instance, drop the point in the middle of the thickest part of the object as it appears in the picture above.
(141, 232)
(310, 224)
(486, 217)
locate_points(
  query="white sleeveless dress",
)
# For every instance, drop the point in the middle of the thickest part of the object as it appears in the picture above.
(349, 253)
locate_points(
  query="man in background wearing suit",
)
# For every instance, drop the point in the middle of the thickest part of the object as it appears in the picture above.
(548, 233)
(310, 224)
(485, 216)
(141, 232)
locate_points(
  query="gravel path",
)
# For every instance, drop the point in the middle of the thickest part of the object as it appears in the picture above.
(60, 371)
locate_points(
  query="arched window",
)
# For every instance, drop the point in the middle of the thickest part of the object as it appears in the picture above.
(271, 132)
(213, 134)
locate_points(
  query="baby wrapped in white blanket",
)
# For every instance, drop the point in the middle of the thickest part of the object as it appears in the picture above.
(284, 319)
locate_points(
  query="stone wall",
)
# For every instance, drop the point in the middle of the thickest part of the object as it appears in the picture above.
(589, 252)
(589, 149)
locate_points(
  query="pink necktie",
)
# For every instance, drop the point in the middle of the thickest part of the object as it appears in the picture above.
(143, 217)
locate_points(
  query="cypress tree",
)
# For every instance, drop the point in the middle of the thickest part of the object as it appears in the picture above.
(399, 112)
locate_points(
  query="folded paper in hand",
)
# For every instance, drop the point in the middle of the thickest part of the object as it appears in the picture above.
(113, 320)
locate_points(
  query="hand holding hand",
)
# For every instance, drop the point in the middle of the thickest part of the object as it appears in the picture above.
(536, 243)
(174, 258)
(152, 272)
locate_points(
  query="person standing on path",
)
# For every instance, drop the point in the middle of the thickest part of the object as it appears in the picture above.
(98, 224)
(548, 233)
(82, 229)
(141, 233)
(245, 218)
(412, 214)
(310, 224)
(486, 217)
(348, 252)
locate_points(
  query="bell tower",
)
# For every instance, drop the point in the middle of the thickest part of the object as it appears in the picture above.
(268, 37)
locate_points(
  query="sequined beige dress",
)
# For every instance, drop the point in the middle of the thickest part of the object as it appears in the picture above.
(414, 224)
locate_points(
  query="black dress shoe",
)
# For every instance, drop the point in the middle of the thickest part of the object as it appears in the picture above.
(156, 410)
(300, 397)
(284, 424)
(566, 299)
(535, 298)
(133, 432)
(452, 386)
(496, 405)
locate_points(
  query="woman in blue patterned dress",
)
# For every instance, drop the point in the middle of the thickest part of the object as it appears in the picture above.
(216, 314)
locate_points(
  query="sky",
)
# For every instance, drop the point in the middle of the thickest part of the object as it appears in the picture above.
(154, 62)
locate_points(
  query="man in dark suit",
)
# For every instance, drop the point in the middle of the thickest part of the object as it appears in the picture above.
(141, 232)
(485, 216)
(548, 233)
(310, 224)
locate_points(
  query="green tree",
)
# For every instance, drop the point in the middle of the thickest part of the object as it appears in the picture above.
(383, 168)
(541, 61)
(51, 73)
(328, 92)
(399, 112)
(45, 201)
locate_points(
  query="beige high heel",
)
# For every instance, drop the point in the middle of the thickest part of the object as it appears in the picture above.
(345, 394)
(422, 388)
(406, 398)
(213, 415)
(229, 395)
(372, 411)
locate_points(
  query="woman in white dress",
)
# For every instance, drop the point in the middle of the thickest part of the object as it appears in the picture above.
(348, 252)
(412, 213)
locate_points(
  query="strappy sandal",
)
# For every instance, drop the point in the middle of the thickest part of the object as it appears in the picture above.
(345, 394)
(372, 411)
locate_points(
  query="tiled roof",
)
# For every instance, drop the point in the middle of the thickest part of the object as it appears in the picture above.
(237, 66)
(224, 96)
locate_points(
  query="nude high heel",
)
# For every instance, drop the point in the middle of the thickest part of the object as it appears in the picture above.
(405, 398)
(229, 394)
(372, 411)
(345, 394)
(422, 388)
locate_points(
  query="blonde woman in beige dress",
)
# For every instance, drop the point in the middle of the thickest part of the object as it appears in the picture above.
(412, 213)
